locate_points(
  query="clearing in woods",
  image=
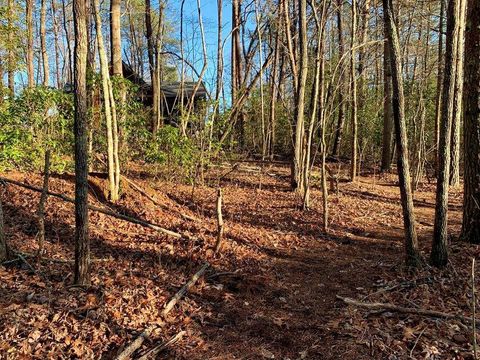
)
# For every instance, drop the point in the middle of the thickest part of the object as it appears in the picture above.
(271, 293)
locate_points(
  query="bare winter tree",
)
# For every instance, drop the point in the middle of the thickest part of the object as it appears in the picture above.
(471, 194)
(398, 105)
(82, 244)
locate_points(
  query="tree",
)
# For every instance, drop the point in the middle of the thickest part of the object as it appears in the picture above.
(115, 37)
(341, 96)
(29, 16)
(82, 244)
(300, 99)
(387, 109)
(457, 107)
(353, 93)
(43, 43)
(439, 253)
(398, 107)
(113, 164)
(471, 193)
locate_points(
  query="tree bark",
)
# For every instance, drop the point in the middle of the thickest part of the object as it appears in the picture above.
(458, 103)
(439, 253)
(341, 80)
(30, 4)
(82, 244)
(471, 193)
(438, 103)
(387, 109)
(398, 107)
(110, 113)
(353, 93)
(298, 184)
(43, 43)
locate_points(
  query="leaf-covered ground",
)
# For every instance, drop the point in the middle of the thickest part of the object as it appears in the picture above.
(270, 294)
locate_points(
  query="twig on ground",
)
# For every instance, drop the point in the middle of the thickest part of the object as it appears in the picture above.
(184, 289)
(133, 346)
(157, 349)
(405, 310)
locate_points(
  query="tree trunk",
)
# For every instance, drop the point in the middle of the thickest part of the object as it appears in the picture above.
(29, 17)
(82, 245)
(56, 44)
(458, 106)
(341, 80)
(43, 43)
(471, 146)
(398, 108)
(300, 99)
(438, 103)
(11, 54)
(116, 38)
(353, 92)
(151, 63)
(387, 109)
(110, 113)
(439, 254)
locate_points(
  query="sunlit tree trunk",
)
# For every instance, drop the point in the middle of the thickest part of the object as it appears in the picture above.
(438, 100)
(458, 103)
(341, 79)
(398, 106)
(110, 113)
(11, 54)
(439, 254)
(58, 72)
(43, 43)
(29, 18)
(353, 93)
(300, 99)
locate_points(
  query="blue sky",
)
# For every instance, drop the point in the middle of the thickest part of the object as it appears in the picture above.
(192, 37)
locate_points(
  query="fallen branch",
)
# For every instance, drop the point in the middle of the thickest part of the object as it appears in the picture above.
(135, 344)
(184, 289)
(157, 349)
(100, 210)
(405, 310)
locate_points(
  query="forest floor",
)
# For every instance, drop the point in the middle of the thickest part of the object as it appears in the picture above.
(270, 294)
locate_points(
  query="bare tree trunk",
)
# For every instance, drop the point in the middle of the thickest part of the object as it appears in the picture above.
(43, 43)
(82, 244)
(57, 49)
(237, 67)
(151, 62)
(29, 17)
(398, 104)
(458, 106)
(341, 79)
(439, 254)
(471, 109)
(110, 113)
(438, 104)
(219, 82)
(10, 55)
(353, 91)
(300, 99)
(387, 109)
(273, 97)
